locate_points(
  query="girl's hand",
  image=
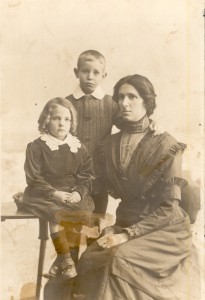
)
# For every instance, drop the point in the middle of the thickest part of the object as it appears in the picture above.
(61, 196)
(154, 126)
(74, 197)
(110, 240)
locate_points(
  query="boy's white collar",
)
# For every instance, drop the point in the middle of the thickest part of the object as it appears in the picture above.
(98, 93)
(53, 143)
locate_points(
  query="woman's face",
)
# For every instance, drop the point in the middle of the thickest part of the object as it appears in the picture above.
(60, 122)
(131, 103)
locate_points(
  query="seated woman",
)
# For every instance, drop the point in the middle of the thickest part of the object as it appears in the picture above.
(147, 254)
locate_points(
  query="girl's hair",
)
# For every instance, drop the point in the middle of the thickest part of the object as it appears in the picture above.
(143, 87)
(46, 113)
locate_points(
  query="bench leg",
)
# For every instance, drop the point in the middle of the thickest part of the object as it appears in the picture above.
(43, 236)
(40, 267)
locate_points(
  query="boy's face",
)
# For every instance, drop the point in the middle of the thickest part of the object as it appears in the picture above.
(90, 73)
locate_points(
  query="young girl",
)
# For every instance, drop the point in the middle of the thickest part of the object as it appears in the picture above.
(59, 175)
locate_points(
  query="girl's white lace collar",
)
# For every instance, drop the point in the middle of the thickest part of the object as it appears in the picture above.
(53, 143)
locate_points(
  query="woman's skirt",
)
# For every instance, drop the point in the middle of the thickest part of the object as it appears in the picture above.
(161, 266)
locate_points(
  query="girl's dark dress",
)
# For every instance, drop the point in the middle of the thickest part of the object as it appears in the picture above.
(50, 170)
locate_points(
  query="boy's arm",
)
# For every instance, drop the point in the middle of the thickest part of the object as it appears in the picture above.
(115, 110)
(85, 174)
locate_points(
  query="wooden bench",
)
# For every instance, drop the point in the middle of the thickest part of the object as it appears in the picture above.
(9, 211)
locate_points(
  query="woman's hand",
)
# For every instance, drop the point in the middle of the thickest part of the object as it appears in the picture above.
(154, 126)
(110, 240)
(107, 231)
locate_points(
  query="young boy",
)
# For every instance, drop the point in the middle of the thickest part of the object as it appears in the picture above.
(96, 115)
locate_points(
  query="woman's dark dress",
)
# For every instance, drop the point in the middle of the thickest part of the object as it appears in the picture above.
(47, 171)
(157, 261)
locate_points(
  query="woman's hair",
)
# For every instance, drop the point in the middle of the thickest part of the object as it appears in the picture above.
(48, 108)
(143, 87)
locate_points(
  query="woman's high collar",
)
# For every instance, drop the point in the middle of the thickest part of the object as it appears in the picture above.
(133, 127)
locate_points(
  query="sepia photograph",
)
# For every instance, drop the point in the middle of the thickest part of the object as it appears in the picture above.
(102, 150)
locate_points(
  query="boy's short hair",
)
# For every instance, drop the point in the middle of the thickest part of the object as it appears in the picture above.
(46, 113)
(85, 56)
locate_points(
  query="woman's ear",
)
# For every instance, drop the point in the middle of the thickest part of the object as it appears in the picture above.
(76, 72)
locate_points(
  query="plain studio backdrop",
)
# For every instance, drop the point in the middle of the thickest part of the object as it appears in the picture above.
(41, 40)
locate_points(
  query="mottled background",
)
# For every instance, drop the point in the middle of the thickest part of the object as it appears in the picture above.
(41, 41)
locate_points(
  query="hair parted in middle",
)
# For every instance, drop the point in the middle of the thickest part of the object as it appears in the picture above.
(143, 86)
(85, 56)
(44, 118)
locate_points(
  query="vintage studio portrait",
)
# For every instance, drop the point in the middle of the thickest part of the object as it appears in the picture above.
(102, 147)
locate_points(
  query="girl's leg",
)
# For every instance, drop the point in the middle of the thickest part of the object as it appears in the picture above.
(54, 227)
(63, 264)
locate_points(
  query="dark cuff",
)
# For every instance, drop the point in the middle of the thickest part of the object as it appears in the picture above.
(133, 231)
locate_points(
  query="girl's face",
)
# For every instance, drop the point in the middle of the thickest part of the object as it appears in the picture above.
(131, 103)
(60, 122)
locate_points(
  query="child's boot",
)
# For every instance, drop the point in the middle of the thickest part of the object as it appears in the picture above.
(68, 266)
(63, 264)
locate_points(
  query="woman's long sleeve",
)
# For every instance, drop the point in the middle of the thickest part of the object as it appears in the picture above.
(33, 171)
(168, 207)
